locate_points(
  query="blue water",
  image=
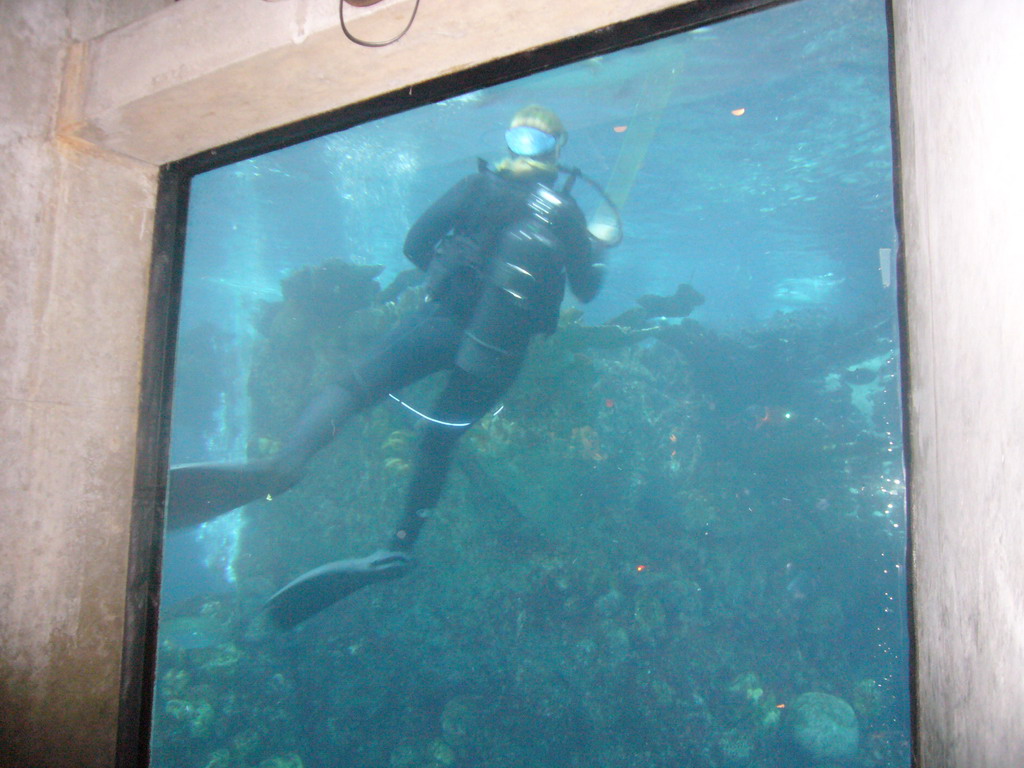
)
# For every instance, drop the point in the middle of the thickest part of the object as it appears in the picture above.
(658, 549)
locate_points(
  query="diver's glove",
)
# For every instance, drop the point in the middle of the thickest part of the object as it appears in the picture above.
(322, 587)
(606, 233)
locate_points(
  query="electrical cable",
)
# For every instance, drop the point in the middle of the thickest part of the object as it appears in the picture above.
(371, 43)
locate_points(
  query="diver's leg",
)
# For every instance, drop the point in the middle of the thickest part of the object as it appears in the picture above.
(465, 399)
(430, 344)
(433, 459)
(419, 345)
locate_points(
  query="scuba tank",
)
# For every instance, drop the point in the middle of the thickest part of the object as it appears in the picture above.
(526, 275)
(525, 269)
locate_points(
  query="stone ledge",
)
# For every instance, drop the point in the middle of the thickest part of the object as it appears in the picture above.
(223, 70)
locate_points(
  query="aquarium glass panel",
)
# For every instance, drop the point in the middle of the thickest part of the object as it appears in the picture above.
(670, 531)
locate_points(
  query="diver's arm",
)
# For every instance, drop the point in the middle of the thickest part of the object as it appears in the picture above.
(583, 263)
(437, 221)
(586, 282)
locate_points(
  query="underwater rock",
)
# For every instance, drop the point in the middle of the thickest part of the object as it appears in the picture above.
(635, 317)
(328, 317)
(333, 282)
(320, 296)
(224, 656)
(175, 683)
(575, 337)
(702, 347)
(748, 686)
(823, 726)
(679, 304)
(197, 715)
(755, 706)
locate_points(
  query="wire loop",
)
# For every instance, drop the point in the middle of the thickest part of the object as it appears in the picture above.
(371, 43)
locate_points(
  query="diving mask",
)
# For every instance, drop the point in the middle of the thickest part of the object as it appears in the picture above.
(527, 141)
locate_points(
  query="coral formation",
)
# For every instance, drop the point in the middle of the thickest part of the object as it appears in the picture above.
(823, 726)
(639, 557)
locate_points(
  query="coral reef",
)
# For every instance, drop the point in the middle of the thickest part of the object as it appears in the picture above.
(647, 554)
(823, 726)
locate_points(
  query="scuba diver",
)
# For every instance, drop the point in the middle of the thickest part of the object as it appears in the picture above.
(497, 249)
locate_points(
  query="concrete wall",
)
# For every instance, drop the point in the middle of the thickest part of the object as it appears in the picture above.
(959, 78)
(86, 126)
(74, 234)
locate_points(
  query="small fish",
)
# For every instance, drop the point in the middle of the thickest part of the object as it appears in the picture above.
(769, 416)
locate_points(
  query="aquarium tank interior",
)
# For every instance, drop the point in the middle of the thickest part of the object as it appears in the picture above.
(677, 539)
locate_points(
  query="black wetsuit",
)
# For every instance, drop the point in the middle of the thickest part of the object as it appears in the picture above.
(458, 242)
(476, 323)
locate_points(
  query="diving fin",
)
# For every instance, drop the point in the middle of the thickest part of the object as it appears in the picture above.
(198, 493)
(321, 587)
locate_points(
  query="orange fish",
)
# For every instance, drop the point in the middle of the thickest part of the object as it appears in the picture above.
(773, 417)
